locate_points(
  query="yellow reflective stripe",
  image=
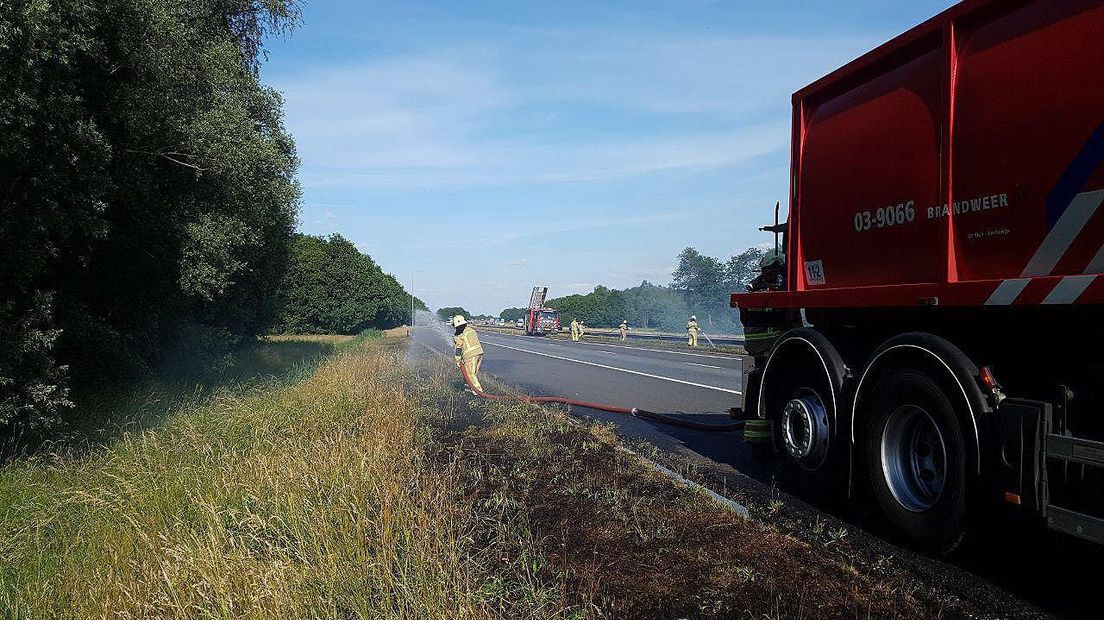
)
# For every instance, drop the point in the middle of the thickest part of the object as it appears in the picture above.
(761, 336)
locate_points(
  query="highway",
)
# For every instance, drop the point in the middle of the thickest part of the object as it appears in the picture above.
(699, 385)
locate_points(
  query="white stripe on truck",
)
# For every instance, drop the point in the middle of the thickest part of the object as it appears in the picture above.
(1007, 292)
(1065, 230)
(1068, 289)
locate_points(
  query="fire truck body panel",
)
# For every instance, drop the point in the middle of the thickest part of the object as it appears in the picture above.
(943, 276)
(970, 150)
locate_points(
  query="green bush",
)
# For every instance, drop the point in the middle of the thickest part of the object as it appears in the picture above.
(330, 287)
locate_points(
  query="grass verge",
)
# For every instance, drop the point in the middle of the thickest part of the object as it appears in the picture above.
(362, 486)
(294, 499)
(627, 542)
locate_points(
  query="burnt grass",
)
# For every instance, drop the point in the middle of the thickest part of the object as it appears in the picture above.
(624, 541)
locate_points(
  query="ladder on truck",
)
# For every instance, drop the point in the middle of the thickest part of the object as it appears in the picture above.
(533, 326)
(536, 300)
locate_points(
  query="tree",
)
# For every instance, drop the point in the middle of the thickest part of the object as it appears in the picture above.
(511, 315)
(742, 269)
(148, 194)
(446, 314)
(332, 288)
(703, 282)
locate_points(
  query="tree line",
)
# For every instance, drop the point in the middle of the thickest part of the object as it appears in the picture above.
(331, 287)
(148, 200)
(700, 285)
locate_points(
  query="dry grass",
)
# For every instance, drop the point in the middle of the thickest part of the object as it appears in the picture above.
(627, 542)
(310, 500)
(369, 488)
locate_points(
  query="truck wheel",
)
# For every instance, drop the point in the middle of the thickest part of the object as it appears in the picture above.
(804, 430)
(804, 441)
(916, 459)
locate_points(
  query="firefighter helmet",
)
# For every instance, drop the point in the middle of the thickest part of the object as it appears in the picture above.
(459, 320)
(772, 258)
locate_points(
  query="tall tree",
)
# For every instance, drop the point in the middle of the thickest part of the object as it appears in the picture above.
(148, 194)
(701, 280)
(332, 288)
(742, 269)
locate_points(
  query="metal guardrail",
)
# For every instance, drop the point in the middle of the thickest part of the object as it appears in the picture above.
(643, 337)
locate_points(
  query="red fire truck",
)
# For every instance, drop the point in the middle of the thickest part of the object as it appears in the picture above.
(540, 321)
(933, 338)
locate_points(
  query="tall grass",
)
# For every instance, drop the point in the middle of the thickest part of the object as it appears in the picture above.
(310, 499)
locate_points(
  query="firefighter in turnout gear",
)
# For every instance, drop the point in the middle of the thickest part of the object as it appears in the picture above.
(469, 352)
(692, 331)
(624, 329)
(576, 330)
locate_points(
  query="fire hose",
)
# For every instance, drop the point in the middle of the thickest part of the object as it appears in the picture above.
(661, 418)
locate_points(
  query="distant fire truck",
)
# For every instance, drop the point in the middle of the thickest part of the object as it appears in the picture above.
(538, 319)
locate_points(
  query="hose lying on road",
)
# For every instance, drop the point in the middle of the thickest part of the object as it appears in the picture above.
(662, 418)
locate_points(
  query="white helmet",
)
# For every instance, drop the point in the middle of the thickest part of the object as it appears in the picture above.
(693, 317)
(771, 258)
(459, 320)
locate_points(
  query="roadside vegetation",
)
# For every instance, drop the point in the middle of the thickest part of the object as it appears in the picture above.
(334, 479)
(331, 287)
(310, 494)
(700, 285)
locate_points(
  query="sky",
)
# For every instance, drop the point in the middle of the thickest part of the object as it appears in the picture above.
(479, 149)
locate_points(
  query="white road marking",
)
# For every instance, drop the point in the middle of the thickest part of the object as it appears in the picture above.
(704, 365)
(610, 352)
(621, 346)
(631, 372)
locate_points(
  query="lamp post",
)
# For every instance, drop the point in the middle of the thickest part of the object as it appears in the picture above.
(412, 272)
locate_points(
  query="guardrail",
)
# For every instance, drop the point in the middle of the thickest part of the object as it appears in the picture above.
(644, 337)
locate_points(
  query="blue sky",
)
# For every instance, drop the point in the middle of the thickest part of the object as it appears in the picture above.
(493, 146)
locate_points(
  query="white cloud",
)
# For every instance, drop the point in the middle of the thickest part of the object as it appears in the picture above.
(463, 116)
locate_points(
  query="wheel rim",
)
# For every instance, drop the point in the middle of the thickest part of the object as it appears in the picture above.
(805, 429)
(914, 458)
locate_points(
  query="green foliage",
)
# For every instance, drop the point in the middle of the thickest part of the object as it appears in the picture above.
(148, 188)
(705, 284)
(332, 288)
(701, 285)
(446, 314)
(513, 314)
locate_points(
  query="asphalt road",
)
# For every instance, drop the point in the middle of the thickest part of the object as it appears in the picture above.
(995, 576)
(698, 385)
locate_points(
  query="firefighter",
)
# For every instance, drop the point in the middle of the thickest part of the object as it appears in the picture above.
(624, 329)
(692, 331)
(469, 352)
(576, 327)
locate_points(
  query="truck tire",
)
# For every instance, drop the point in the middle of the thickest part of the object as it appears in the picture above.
(804, 438)
(916, 459)
(799, 392)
